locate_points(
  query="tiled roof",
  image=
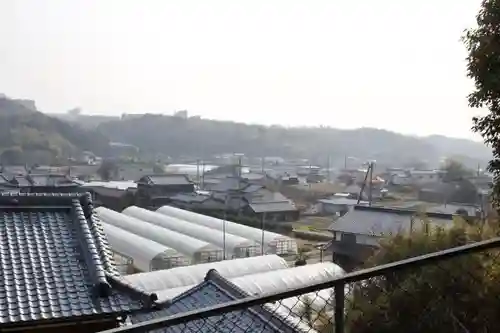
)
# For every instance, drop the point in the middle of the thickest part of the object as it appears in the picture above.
(4, 179)
(283, 206)
(56, 263)
(341, 201)
(378, 221)
(21, 181)
(14, 170)
(50, 180)
(213, 291)
(165, 180)
(230, 184)
(190, 198)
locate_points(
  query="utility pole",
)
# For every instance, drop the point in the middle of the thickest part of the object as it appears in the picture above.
(369, 173)
(345, 162)
(203, 176)
(262, 240)
(328, 169)
(224, 227)
(198, 173)
(239, 168)
(371, 184)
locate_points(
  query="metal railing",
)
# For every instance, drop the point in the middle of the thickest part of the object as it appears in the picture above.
(331, 306)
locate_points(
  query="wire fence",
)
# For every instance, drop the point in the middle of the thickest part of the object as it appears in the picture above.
(455, 290)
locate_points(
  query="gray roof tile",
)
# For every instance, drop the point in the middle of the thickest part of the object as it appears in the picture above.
(379, 221)
(165, 180)
(261, 207)
(213, 291)
(50, 180)
(56, 262)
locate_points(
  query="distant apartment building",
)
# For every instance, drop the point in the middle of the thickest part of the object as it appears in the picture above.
(181, 114)
(27, 103)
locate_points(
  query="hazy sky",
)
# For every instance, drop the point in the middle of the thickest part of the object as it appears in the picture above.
(394, 64)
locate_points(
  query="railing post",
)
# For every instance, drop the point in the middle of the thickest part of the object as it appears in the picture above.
(339, 307)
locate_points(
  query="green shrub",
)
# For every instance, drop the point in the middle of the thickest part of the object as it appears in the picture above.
(455, 295)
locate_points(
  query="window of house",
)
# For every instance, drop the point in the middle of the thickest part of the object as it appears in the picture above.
(348, 237)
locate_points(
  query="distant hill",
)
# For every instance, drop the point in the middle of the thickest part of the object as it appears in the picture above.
(83, 120)
(29, 136)
(175, 136)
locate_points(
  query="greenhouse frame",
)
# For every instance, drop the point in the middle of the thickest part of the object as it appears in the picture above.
(274, 243)
(146, 255)
(198, 250)
(191, 275)
(235, 246)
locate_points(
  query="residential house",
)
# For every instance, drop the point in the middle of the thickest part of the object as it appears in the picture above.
(85, 172)
(197, 202)
(238, 196)
(253, 200)
(115, 195)
(5, 183)
(306, 170)
(353, 191)
(337, 205)
(217, 290)
(132, 172)
(14, 170)
(58, 274)
(358, 232)
(415, 177)
(45, 183)
(156, 190)
(282, 178)
(424, 176)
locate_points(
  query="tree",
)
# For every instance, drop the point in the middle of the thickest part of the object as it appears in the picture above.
(483, 66)
(460, 292)
(465, 192)
(107, 170)
(454, 171)
(12, 156)
(158, 169)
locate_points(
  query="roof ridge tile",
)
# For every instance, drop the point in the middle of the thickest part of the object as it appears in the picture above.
(149, 299)
(92, 257)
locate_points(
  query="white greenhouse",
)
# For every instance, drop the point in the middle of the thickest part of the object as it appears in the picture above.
(192, 275)
(269, 281)
(280, 281)
(146, 255)
(273, 243)
(235, 246)
(199, 251)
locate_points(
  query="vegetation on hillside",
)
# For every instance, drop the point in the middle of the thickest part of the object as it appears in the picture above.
(28, 136)
(483, 46)
(199, 137)
(456, 295)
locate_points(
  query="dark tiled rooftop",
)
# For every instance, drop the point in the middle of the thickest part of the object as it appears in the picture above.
(272, 207)
(213, 291)
(379, 221)
(56, 262)
(172, 179)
